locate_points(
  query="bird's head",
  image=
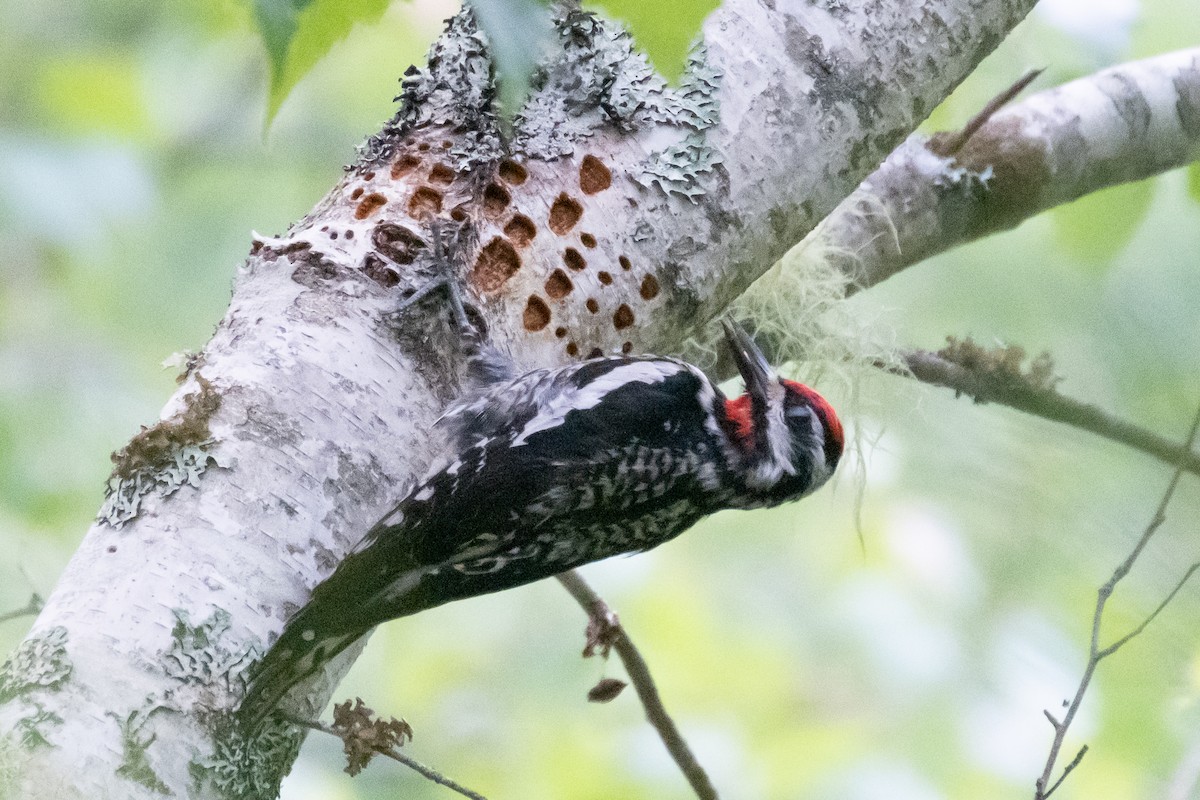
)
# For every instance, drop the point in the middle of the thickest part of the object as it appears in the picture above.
(788, 437)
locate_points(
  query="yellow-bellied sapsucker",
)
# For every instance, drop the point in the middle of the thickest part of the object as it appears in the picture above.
(557, 468)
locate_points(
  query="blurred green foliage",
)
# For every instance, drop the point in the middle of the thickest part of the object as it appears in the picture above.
(1093, 234)
(299, 33)
(801, 664)
(663, 30)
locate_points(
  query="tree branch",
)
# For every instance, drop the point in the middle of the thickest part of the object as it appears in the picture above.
(948, 143)
(1096, 654)
(32, 607)
(1119, 125)
(387, 746)
(639, 674)
(992, 377)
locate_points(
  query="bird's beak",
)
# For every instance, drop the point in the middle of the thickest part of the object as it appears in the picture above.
(756, 372)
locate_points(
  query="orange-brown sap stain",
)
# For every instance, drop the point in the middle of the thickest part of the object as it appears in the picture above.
(593, 175)
(564, 214)
(441, 175)
(537, 314)
(396, 242)
(404, 165)
(558, 285)
(520, 230)
(495, 199)
(497, 262)
(369, 205)
(425, 202)
(574, 259)
(512, 173)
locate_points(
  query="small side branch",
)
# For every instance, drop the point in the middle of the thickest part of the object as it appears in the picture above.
(1043, 787)
(947, 143)
(990, 376)
(34, 606)
(364, 736)
(606, 630)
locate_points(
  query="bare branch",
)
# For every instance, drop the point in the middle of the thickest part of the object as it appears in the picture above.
(1035, 395)
(947, 143)
(1074, 763)
(1096, 654)
(32, 607)
(1117, 645)
(639, 674)
(391, 752)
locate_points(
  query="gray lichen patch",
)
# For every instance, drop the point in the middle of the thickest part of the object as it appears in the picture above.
(245, 767)
(39, 663)
(135, 764)
(123, 497)
(455, 92)
(680, 167)
(164, 457)
(32, 728)
(597, 78)
(199, 656)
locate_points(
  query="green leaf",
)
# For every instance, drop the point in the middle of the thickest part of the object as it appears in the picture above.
(663, 30)
(298, 33)
(1193, 180)
(277, 21)
(1098, 226)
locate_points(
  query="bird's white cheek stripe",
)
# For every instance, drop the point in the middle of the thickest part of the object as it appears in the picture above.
(778, 461)
(779, 438)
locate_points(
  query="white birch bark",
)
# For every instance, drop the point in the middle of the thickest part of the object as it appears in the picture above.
(622, 214)
(1123, 124)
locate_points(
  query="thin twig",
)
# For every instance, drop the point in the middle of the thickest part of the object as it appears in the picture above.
(1047, 403)
(1119, 643)
(643, 682)
(947, 143)
(1096, 653)
(32, 607)
(394, 754)
(1070, 767)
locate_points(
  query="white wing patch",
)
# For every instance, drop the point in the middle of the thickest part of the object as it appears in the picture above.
(555, 411)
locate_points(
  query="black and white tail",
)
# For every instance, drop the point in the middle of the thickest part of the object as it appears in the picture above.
(307, 644)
